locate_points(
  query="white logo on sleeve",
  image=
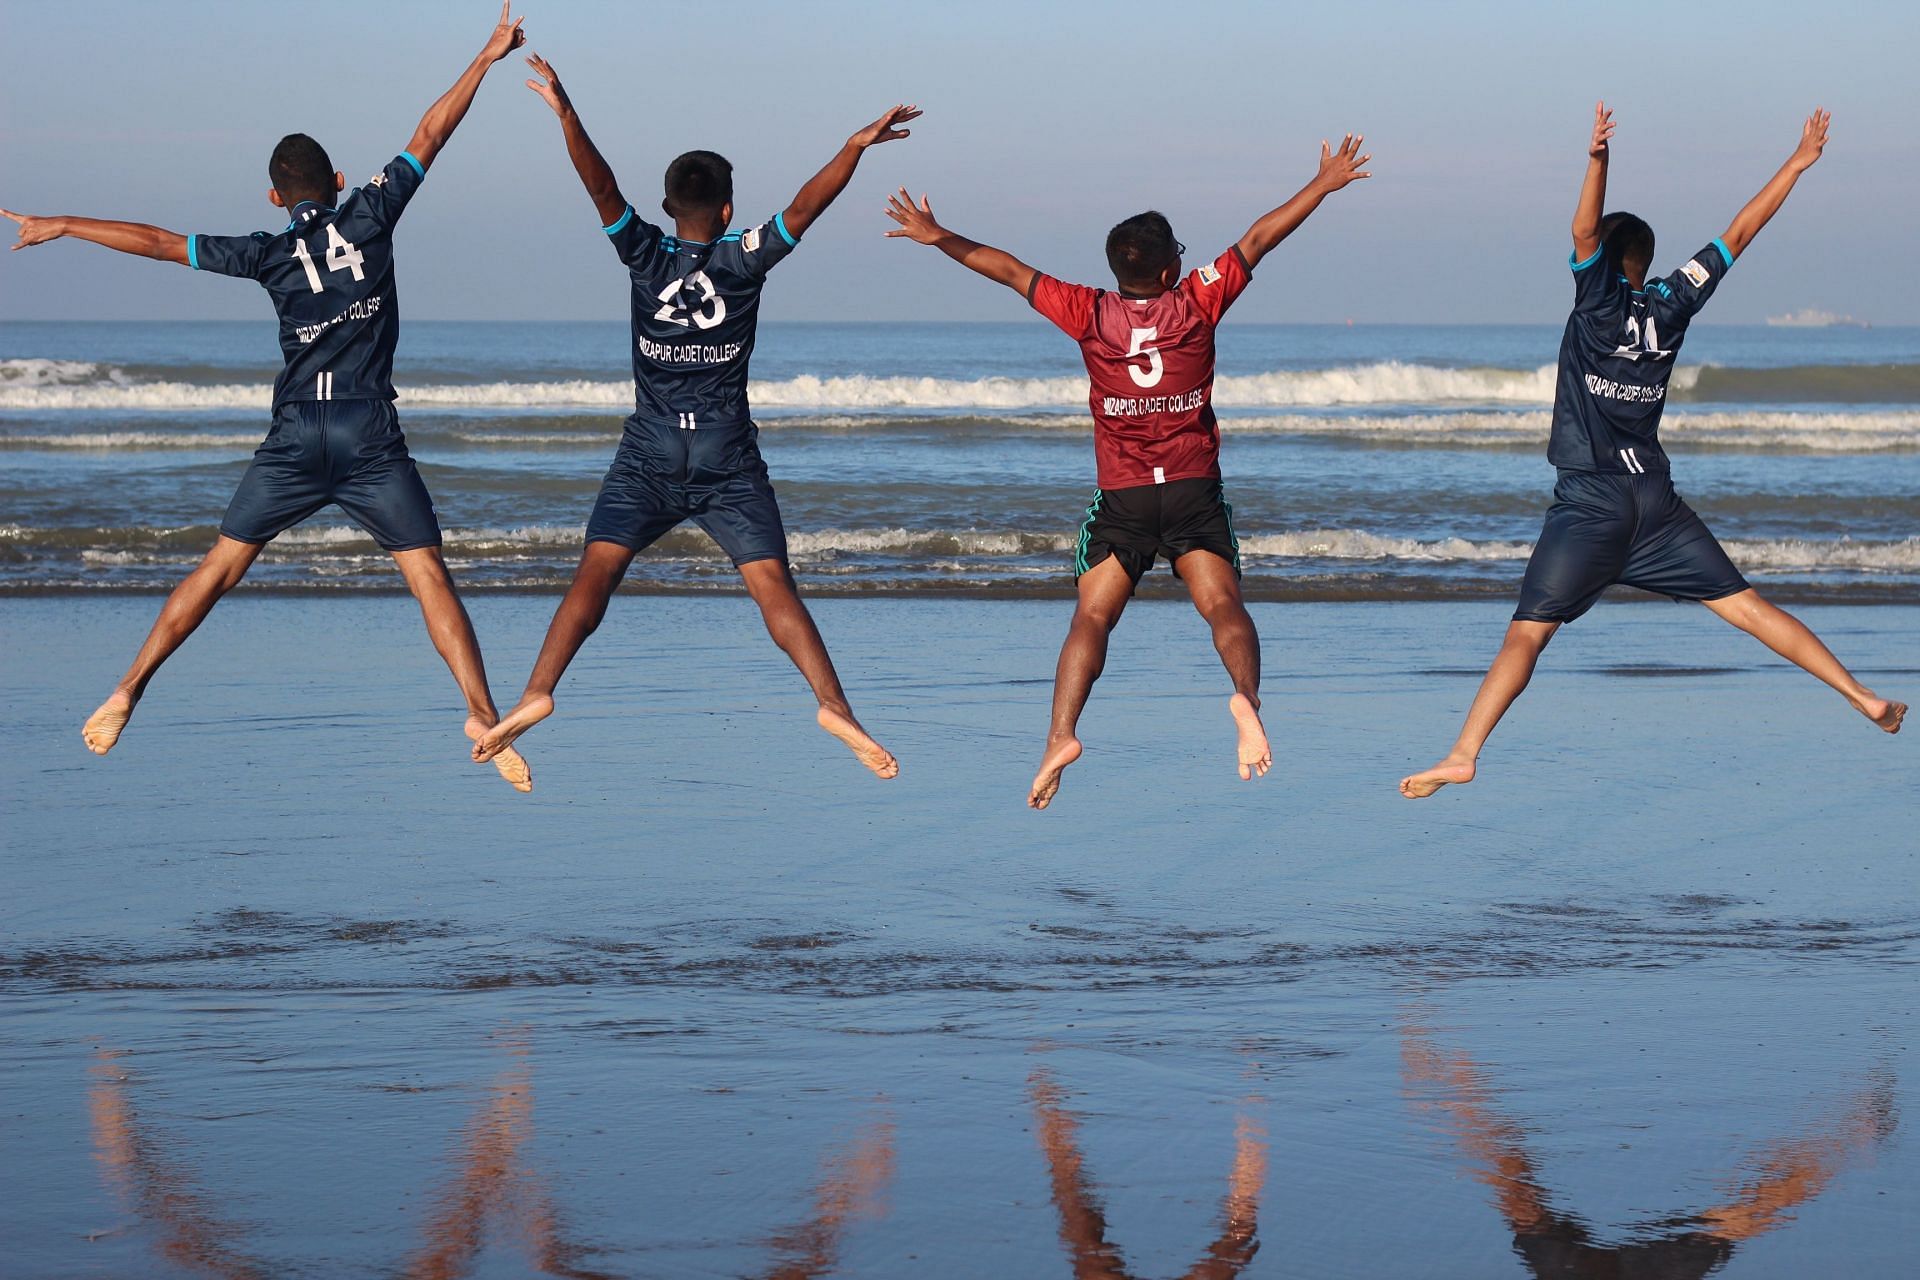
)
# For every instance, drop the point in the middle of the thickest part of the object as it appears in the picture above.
(377, 180)
(1695, 273)
(1209, 276)
(750, 240)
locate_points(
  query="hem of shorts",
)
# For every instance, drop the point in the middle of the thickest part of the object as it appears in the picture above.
(1718, 595)
(631, 544)
(410, 546)
(741, 562)
(1125, 565)
(240, 537)
(1536, 616)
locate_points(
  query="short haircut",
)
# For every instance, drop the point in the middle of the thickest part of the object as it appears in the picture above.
(1627, 240)
(698, 182)
(1140, 248)
(300, 170)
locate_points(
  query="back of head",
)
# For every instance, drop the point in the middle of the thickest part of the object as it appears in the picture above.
(1140, 248)
(699, 184)
(300, 170)
(1628, 241)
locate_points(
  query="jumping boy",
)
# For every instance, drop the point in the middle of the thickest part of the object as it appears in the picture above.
(1615, 516)
(1149, 352)
(335, 436)
(689, 451)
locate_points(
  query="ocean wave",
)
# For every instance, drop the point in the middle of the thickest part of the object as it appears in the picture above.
(49, 385)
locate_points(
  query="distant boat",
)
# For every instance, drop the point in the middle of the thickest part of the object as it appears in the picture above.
(1814, 318)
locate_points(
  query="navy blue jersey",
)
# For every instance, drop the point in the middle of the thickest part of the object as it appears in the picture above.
(1617, 356)
(695, 309)
(330, 275)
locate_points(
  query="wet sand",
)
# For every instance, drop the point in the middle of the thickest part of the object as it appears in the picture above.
(288, 989)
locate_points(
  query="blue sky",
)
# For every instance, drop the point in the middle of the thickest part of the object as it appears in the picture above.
(1045, 124)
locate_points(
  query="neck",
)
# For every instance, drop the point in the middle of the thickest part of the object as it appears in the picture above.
(1153, 290)
(699, 230)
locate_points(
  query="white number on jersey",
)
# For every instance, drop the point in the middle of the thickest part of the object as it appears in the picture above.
(1149, 376)
(341, 256)
(1639, 344)
(674, 311)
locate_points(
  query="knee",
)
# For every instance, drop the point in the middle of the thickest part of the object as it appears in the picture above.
(1101, 617)
(1221, 608)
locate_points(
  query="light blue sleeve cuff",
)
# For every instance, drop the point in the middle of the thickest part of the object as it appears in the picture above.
(193, 252)
(419, 169)
(780, 225)
(1725, 252)
(1592, 258)
(625, 218)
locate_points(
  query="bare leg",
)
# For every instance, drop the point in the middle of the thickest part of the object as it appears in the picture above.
(452, 632)
(1505, 681)
(791, 627)
(602, 565)
(1216, 594)
(184, 611)
(1104, 592)
(1789, 637)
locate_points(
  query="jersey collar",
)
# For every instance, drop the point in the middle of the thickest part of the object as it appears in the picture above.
(313, 208)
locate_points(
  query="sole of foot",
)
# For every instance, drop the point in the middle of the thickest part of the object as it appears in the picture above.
(104, 727)
(1420, 785)
(1256, 756)
(529, 713)
(1046, 783)
(510, 764)
(1890, 718)
(860, 742)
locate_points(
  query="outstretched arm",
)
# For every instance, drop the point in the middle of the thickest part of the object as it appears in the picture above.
(917, 224)
(1759, 210)
(136, 238)
(592, 167)
(824, 186)
(1337, 169)
(444, 116)
(1593, 189)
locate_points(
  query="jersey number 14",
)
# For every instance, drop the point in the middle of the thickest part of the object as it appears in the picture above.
(341, 256)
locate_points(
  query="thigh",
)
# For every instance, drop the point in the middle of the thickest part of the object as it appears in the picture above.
(1212, 580)
(1120, 525)
(286, 482)
(1582, 550)
(1678, 556)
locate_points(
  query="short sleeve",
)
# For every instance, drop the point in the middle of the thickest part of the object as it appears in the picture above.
(1688, 289)
(1068, 305)
(1215, 286)
(762, 247)
(387, 192)
(242, 256)
(1596, 282)
(633, 238)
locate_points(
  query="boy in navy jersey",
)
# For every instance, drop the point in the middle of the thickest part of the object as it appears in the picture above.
(335, 437)
(1615, 516)
(1148, 349)
(690, 451)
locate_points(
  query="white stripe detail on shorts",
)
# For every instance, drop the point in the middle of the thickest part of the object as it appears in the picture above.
(1159, 475)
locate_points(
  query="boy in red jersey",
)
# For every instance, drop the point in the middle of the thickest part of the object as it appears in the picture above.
(1149, 354)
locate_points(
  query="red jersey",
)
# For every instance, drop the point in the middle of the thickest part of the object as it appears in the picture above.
(1151, 363)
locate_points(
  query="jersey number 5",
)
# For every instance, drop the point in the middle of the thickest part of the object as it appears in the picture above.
(341, 256)
(1149, 376)
(674, 311)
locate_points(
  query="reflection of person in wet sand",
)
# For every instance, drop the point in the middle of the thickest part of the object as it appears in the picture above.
(1558, 1244)
(1083, 1223)
(852, 1183)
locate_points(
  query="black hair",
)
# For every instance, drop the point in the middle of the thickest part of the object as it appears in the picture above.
(698, 182)
(1140, 248)
(300, 170)
(1627, 240)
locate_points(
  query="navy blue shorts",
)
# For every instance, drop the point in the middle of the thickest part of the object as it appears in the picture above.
(1135, 524)
(1604, 528)
(713, 476)
(346, 452)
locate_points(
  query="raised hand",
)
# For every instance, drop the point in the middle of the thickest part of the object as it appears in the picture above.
(1602, 131)
(916, 221)
(882, 130)
(1338, 168)
(549, 89)
(1813, 139)
(506, 37)
(34, 230)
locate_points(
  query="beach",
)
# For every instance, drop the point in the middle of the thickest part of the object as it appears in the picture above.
(290, 988)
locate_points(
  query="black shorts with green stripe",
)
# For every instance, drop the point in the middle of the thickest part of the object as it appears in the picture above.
(1136, 524)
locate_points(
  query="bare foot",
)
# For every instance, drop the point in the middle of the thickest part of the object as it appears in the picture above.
(1882, 711)
(511, 764)
(104, 726)
(531, 711)
(1046, 783)
(864, 748)
(1256, 757)
(1421, 785)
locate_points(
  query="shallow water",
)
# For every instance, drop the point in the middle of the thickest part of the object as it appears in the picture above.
(288, 989)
